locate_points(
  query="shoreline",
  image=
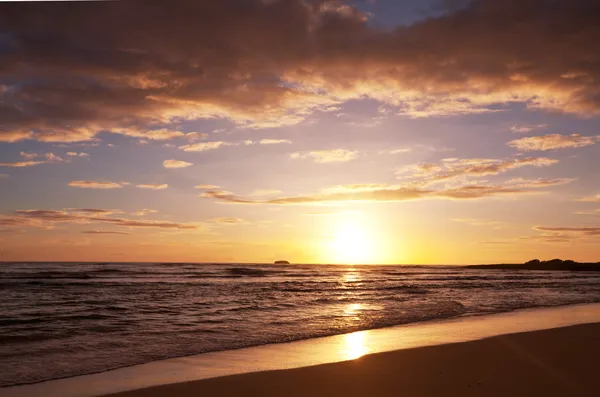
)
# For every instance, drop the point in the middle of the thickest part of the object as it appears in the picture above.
(553, 363)
(310, 352)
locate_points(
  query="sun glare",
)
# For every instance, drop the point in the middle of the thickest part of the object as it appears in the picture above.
(352, 244)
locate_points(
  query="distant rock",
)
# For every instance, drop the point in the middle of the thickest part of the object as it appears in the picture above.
(536, 264)
(281, 263)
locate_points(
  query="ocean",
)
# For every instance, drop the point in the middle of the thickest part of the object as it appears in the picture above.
(65, 319)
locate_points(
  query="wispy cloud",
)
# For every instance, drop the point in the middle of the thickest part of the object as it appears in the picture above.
(591, 199)
(96, 184)
(48, 218)
(204, 146)
(80, 154)
(21, 164)
(525, 128)
(455, 168)
(273, 141)
(374, 193)
(552, 142)
(480, 222)
(176, 164)
(104, 232)
(161, 134)
(205, 186)
(395, 151)
(577, 230)
(327, 156)
(227, 221)
(144, 212)
(539, 182)
(153, 186)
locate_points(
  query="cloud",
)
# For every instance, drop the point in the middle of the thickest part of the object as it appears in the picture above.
(594, 212)
(479, 222)
(96, 184)
(576, 230)
(373, 193)
(75, 154)
(455, 168)
(153, 186)
(97, 211)
(21, 164)
(273, 141)
(204, 146)
(103, 232)
(143, 212)
(160, 134)
(552, 141)
(521, 129)
(540, 182)
(228, 221)
(32, 159)
(395, 151)
(195, 136)
(205, 186)
(327, 156)
(591, 199)
(176, 164)
(271, 63)
(49, 218)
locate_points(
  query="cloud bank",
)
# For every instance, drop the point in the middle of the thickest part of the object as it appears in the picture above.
(263, 63)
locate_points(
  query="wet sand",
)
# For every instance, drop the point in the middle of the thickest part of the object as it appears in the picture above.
(556, 362)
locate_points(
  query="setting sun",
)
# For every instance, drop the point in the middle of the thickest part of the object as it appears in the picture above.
(352, 243)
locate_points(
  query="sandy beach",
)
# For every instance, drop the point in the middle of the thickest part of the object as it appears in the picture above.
(556, 362)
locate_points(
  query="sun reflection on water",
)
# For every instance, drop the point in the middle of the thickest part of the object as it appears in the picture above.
(354, 346)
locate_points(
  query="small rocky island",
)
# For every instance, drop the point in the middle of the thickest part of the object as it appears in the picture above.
(281, 263)
(536, 264)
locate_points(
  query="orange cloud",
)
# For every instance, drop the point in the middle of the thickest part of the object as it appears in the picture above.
(377, 193)
(203, 146)
(327, 156)
(21, 164)
(591, 199)
(553, 141)
(204, 186)
(176, 164)
(153, 186)
(96, 184)
(273, 141)
(455, 168)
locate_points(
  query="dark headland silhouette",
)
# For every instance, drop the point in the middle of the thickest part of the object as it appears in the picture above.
(281, 263)
(536, 264)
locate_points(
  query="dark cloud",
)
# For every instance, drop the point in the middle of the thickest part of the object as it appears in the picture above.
(68, 70)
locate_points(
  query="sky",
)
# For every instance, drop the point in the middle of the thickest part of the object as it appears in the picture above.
(313, 131)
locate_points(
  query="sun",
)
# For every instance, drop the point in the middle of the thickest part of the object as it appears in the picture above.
(352, 243)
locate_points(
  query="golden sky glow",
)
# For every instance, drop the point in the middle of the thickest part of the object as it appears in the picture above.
(314, 132)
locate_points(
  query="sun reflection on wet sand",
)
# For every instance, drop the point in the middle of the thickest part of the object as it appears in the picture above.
(354, 346)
